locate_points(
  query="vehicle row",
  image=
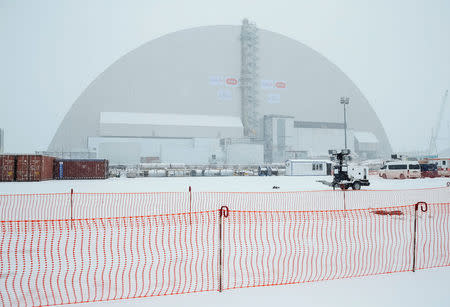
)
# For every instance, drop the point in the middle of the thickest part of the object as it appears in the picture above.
(403, 169)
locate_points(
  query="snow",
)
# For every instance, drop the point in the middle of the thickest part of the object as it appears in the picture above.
(169, 119)
(208, 184)
(422, 288)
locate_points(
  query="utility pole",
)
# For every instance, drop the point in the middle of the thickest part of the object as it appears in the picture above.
(345, 101)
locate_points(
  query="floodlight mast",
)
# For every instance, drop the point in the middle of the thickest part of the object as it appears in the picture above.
(345, 101)
(341, 176)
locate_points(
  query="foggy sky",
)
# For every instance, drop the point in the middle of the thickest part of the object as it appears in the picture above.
(397, 53)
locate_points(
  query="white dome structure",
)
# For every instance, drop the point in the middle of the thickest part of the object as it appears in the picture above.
(186, 93)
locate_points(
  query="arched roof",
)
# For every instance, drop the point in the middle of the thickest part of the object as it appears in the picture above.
(175, 74)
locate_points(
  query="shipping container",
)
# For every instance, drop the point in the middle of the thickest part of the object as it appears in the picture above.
(7, 167)
(80, 169)
(296, 167)
(34, 168)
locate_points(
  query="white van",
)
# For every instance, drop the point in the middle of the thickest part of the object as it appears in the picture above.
(400, 169)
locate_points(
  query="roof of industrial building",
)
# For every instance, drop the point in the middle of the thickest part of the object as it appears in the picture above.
(169, 119)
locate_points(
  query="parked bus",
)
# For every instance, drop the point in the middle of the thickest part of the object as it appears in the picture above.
(400, 170)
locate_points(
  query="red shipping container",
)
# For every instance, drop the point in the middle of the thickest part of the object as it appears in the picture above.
(80, 169)
(7, 167)
(34, 168)
(47, 168)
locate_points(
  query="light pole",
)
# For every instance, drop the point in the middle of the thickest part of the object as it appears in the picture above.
(345, 101)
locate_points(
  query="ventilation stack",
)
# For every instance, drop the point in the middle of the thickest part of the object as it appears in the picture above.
(249, 78)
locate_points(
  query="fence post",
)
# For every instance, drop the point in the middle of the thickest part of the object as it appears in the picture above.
(71, 208)
(223, 212)
(190, 205)
(345, 206)
(423, 208)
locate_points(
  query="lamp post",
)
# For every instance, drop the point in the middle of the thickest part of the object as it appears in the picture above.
(345, 101)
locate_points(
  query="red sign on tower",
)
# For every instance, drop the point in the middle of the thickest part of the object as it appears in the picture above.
(231, 81)
(280, 84)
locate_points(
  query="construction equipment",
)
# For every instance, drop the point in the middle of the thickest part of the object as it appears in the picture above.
(347, 175)
(435, 132)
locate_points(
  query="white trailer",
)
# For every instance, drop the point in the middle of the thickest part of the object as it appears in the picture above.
(296, 167)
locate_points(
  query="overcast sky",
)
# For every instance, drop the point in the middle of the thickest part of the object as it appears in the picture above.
(396, 51)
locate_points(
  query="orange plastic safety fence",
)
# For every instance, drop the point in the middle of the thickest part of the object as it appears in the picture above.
(49, 262)
(433, 236)
(104, 205)
(63, 261)
(274, 248)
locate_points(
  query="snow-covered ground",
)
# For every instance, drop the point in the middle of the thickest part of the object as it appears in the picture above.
(210, 184)
(423, 288)
(419, 289)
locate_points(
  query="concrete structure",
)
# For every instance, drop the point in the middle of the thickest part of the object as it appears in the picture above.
(127, 150)
(188, 96)
(366, 144)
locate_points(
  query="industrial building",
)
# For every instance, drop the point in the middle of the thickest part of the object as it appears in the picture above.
(220, 94)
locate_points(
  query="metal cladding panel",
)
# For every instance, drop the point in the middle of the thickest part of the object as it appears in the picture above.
(128, 124)
(301, 168)
(365, 146)
(306, 168)
(22, 168)
(318, 141)
(47, 168)
(126, 130)
(295, 80)
(120, 153)
(7, 166)
(34, 168)
(80, 169)
(245, 154)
